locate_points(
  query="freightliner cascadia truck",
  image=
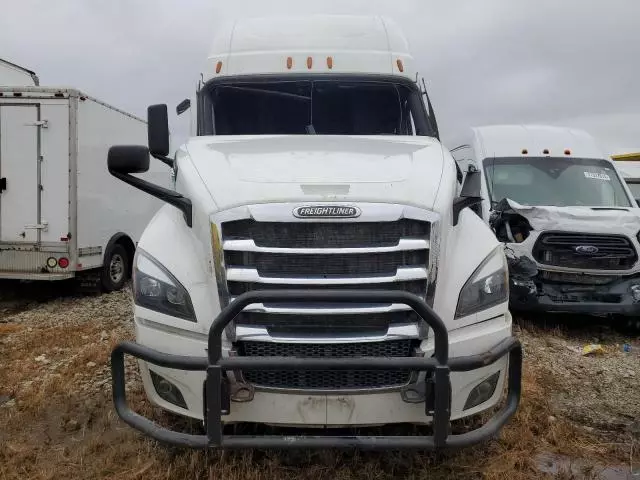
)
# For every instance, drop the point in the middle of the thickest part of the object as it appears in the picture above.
(315, 264)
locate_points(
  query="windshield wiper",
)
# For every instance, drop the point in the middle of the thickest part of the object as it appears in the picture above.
(610, 208)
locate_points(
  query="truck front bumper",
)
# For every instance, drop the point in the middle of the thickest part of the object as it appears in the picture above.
(436, 386)
(619, 297)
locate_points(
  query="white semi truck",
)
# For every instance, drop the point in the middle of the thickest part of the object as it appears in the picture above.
(62, 215)
(314, 266)
(569, 222)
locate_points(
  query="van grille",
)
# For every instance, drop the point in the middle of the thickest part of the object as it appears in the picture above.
(612, 252)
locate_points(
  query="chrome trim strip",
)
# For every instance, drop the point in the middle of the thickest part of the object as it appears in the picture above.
(371, 212)
(220, 273)
(434, 256)
(251, 275)
(250, 246)
(261, 308)
(409, 331)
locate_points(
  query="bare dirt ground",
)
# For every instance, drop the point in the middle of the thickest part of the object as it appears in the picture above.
(579, 416)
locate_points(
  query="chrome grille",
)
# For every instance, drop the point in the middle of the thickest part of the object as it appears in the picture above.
(336, 254)
(612, 252)
(327, 379)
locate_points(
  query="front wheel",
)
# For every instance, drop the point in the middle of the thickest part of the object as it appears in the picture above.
(115, 269)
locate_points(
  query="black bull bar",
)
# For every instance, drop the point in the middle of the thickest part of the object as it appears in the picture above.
(216, 389)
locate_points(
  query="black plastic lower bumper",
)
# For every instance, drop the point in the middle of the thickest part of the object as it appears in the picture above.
(216, 390)
(535, 295)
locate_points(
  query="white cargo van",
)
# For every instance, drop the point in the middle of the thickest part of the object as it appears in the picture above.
(314, 266)
(569, 222)
(62, 214)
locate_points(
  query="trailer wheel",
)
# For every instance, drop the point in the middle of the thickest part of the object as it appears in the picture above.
(116, 268)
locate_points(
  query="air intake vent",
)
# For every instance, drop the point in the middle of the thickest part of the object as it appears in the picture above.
(328, 379)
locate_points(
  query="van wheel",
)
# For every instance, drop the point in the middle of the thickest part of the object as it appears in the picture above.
(115, 269)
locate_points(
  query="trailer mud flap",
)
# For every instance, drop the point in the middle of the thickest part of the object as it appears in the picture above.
(216, 390)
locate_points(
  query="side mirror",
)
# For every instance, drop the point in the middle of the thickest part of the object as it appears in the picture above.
(126, 159)
(158, 130)
(123, 160)
(469, 195)
(183, 106)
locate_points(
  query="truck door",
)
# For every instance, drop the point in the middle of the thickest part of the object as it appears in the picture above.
(19, 182)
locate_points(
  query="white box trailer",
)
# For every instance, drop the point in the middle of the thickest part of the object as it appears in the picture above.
(61, 212)
(12, 74)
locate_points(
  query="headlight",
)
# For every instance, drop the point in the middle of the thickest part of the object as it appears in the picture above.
(156, 289)
(487, 287)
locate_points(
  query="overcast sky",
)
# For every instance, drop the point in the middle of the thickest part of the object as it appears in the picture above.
(573, 62)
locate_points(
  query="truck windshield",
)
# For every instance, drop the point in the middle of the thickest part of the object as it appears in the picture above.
(559, 182)
(321, 107)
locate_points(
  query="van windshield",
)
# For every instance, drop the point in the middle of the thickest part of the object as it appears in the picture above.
(559, 182)
(308, 107)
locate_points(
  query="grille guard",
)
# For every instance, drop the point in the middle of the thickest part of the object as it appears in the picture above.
(216, 389)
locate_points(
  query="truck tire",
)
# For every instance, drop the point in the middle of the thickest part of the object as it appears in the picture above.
(115, 269)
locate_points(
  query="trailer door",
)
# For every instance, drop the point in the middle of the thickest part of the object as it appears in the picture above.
(54, 171)
(19, 185)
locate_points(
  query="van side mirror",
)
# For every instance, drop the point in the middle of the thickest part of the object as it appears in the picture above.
(123, 160)
(183, 106)
(158, 132)
(469, 195)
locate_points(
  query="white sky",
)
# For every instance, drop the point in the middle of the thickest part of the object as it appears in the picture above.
(572, 62)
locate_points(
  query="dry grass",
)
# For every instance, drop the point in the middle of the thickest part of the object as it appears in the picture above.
(63, 426)
(103, 447)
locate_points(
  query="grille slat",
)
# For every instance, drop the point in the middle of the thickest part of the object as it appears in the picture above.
(320, 266)
(327, 379)
(614, 252)
(324, 234)
(361, 324)
(417, 287)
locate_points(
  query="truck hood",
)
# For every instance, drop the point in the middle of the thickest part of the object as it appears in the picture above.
(242, 170)
(581, 219)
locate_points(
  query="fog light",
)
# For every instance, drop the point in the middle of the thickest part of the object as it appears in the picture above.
(635, 292)
(482, 392)
(167, 390)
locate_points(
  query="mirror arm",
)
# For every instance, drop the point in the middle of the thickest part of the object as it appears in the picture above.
(163, 159)
(171, 197)
(470, 195)
(460, 203)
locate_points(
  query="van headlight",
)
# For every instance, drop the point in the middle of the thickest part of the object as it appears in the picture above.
(156, 289)
(487, 287)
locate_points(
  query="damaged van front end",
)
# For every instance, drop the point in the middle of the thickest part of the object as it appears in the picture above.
(571, 259)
